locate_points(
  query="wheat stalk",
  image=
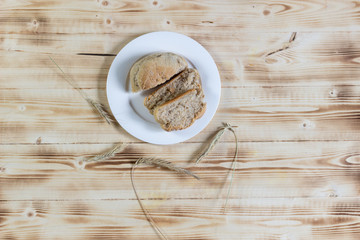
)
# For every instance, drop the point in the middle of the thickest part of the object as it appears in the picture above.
(109, 154)
(234, 165)
(213, 142)
(101, 110)
(96, 105)
(159, 163)
(165, 164)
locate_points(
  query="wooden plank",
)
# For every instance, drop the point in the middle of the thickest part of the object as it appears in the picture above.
(279, 218)
(252, 59)
(274, 15)
(290, 84)
(265, 170)
(262, 114)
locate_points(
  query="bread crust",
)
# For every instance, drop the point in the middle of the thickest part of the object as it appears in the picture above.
(155, 69)
(189, 74)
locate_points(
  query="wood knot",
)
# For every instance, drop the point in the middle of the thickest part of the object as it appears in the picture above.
(333, 93)
(155, 3)
(30, 213)
(333, 195)
(167, 22)
(108, 21)
(307, 124)
(33, 25)
(38, 141)
(254, 99)
(105, 3)
(266, 12)
(79, 164)
(22, 108)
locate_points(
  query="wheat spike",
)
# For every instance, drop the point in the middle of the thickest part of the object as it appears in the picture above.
(165, 164)
(213, 142)
(96, 105)
(101, 110)
(109, 154)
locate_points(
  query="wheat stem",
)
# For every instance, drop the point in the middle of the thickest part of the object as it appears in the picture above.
(69, 79)
(159, 163)
(213, 142)
(96, 105)
(234, 163)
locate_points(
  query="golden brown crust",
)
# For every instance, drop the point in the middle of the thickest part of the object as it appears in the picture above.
(201, 113)
(154, 69)
(180, 96)
(151, 95)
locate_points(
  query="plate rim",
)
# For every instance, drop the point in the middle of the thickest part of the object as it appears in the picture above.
(169, 139)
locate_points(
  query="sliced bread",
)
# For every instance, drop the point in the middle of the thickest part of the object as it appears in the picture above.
(155, 69)
(186, 80)
(181, 112)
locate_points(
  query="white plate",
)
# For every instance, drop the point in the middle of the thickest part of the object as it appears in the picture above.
(128, 107)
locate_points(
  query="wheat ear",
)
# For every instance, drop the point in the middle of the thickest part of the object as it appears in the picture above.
(101, 110)
(96, 105)
(213, 142)
(107, 155)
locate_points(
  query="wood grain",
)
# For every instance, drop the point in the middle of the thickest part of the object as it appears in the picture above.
(319, 169)
(312, 59)
(290, 83)
(225, 16)
(285, 218)
(262, 114)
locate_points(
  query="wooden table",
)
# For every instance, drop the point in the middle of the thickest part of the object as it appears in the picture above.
(290, 75)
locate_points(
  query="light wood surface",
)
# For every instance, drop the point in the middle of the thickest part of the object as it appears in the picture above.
(290, 75)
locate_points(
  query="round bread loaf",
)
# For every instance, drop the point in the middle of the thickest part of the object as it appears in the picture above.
(155, 69)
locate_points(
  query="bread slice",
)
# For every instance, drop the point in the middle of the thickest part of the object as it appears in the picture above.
(181, 112)
(186, 80)
(155, 69)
